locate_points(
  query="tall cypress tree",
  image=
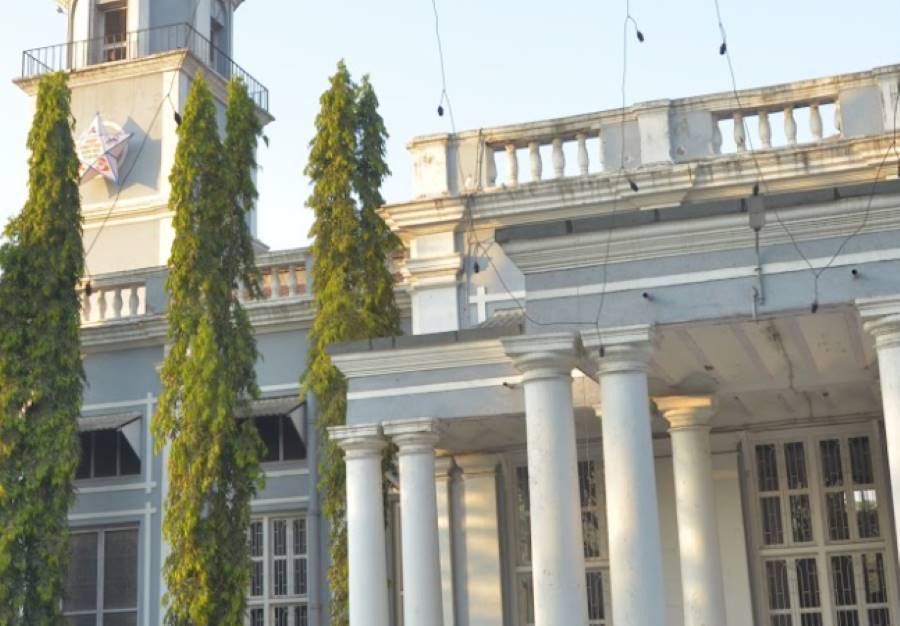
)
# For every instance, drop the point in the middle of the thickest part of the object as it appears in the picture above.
(381, 317)
(208, 373)
(41, 374)
(352, 284)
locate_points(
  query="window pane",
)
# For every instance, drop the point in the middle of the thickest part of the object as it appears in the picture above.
(522, 514)
(84, 464)
(781, 620)
(795, 465)
(836, 511)
(587, 484)
(130, 461)
(842, 580)
(280, 587)
(777, 583)
(801, 519)
(832, 472)
(256, 579)
(847, 618)
(873, 576)
(256, 539)
(294, 450)
(299, 577)
(767, 467)
(267, 427)
(590, 528)
(861, 461)
(810, 619)
(279, 537)
(526, 598)
(105, 452)
(301, 615)
(770, 508)
(120, 619)
(81, 620)
(257, 617)
(299, 536)
(879, 617)
(81, 578)
(866, 502)
(281, 615)
(120, 570)
(595, 595)
(808, 583)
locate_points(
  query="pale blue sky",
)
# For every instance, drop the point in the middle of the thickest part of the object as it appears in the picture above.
(507, 61)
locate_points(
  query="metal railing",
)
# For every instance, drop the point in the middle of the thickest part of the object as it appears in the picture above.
(76, 55)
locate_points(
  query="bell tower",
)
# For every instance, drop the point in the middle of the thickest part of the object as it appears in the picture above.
(130, 65)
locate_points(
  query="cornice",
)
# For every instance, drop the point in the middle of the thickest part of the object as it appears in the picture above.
(430, 358)
(712, 234)
(667, 185)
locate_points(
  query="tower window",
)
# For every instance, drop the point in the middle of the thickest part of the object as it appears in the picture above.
(115, 33)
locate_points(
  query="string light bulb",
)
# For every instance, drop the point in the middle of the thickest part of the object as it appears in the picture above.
(640, 36)
(440, 110)
(633, 185)
(723, 49)
(177, 118)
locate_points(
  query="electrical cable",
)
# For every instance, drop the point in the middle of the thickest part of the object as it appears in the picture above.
(725, 51)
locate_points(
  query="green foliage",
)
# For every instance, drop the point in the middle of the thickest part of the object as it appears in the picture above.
(213, 459)
(40, 369)
(352, 285)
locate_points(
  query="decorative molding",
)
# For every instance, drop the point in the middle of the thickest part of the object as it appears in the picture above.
(360, 441)
(623, 349)
(881, 319)
(686, 412)
(428, 358)
(551, 355)
(461, 385)
(714, 234)
(414, 436)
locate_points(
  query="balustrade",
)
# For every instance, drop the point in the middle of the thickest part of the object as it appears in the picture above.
(108, 302)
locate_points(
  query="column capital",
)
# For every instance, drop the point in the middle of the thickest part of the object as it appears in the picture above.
(623, 349)
(686, 412)
(414, 435)
(550, 355)
(881, 319)
(360, 441)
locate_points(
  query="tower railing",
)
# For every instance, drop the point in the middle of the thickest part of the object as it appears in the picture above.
(122, 47)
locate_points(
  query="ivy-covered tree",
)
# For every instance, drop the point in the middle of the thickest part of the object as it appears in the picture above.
(41, 374)
(208, 373)
(352, 285)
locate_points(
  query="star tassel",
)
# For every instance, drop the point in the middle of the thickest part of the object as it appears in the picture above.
(99, 151)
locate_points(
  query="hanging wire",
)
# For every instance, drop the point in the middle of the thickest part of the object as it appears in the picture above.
(725, 51)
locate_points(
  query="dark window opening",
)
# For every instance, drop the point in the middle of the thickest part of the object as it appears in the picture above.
(281, 440)
(115, 28)
(105, 454)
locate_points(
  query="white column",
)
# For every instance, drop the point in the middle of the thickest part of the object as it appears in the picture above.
(557, 551)
(365, 523)
(635, 554)
(702, 586)
(882, 321)
(422, 594)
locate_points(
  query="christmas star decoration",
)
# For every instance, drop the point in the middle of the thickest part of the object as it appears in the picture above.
(100, 151)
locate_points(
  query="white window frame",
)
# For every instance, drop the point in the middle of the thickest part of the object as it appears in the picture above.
(99, 612)
(268, 601)
(588, 450)
(821, 548)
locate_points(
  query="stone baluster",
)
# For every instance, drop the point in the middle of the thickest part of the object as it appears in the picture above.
(117, 303)
(134, 301)
(536, 166)
(740, 139)
(559, 159)
(101, 305)
(716, 138)
(85, 307)
(292, 280)
(276, 282)
(584, 162)
(600, 160)
(765, 130)
(512, 165)
(490, 166)
(815, 122)
(790, 126)
(838, 122)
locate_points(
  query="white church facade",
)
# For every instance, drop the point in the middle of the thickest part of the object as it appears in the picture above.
(651, 375)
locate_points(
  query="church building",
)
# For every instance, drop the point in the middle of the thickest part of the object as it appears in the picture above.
(651, 374)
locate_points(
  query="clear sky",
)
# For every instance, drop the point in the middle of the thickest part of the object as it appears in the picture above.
(507, 61)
